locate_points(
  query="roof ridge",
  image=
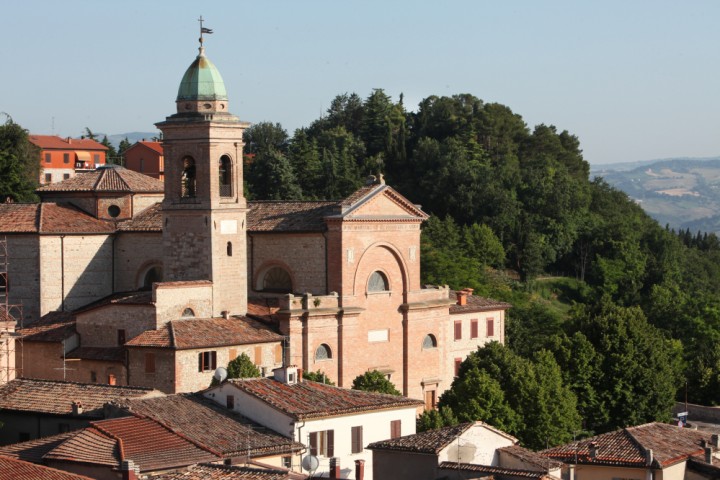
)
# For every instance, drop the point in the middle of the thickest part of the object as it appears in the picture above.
(40, 217)
(99, 178)
(116, 174)
(121, 446)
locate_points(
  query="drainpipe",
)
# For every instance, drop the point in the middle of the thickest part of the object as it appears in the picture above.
(62, 273)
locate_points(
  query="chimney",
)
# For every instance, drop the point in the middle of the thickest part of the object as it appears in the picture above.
(129, 470)
(469, 291)
(335, 467)
(715, 440)
(225, 314)
(461, 297)
(69, 140)
(77, 408)
(593, 447)
(300, 375)
(708, 455)
(649, 457)
(359, 469)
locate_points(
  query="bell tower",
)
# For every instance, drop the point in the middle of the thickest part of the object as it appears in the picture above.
(204, 208)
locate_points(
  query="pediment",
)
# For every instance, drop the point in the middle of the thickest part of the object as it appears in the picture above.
(384, 203)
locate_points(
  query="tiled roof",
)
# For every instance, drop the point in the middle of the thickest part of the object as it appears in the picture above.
(532, 458)
(35, 450)
(359, 194)
(477, 304)
(88, 445)
(56, 397)
(316, 400)
(51, 327)
(11, 468)
(627, 447)
(226, 472)
(103, 354)
(138, 297)
(285, 216)
(49, 217)
(149, 220)
(431, 441)
(206, 332)
(53, 142)
(154, 146)
(263, 309)
(107, 178)
(207, 423)
(496, 472)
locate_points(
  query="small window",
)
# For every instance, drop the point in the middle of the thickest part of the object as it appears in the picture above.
(229, 249)
(113, 211)
(277, 280)
(189, 181)
(323, 352)
(66, 158)
(207, 361)
(356, 441)
(287, 462)
(188, 313)
(278, 354)
(48, 158)
(490, 330)
(112, 380)
(395, 429)
(230, 402)
(149, 363)
(93, 377)
(153, 275)
(121, 336)
(378, 282)
(48, 178)
(142, 165)
(429, 341)
(96, 158)
(474, 328)
(258, 355)
(458, 330)
(225, 171)
(430, 399)
(458, 362)
(66, 176)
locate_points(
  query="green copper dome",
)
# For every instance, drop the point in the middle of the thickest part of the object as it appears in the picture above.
(202, 81)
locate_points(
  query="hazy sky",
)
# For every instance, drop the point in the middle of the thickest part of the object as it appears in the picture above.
(634, 80)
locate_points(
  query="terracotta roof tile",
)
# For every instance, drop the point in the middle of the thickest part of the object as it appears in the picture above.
(496, 472)
(431, 441)
(226, 472)
(53, 142)
(87, 446)
(154, 146)
(627, 446)
(65, 218)
(51, 327)
(149, 220)
(107, 178)
(207, 423)
(316, 400)
(264, 309)
(206, 332)
(285, 216)
(530, 457)
(56, 397)
(11, 468)
(138, 297)
(35, 450)
(103, 354)
(19, 217)
(359, 194)
(476, 303)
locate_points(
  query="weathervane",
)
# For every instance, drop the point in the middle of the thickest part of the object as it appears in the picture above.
(203, 30)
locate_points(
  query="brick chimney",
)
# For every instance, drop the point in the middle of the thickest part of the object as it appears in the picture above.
(461, 297)
(359, 469)
(77, 408)
(129, 470)
(593, 447)
(335, 467)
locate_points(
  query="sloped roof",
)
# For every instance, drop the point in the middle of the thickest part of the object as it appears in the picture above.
(102, 354)
(149, 220)
(53, 142)
(476, 303)
(20, 470)
(34, 450)
(206, 332)
(263, 308)
(154, 146)
(87, 446)
(227, 472)
(107, 178)
(306, 399)
(55, 397)
(207, 423)
(51, 327)
(288, 216)
(628, 446)
(137, 297)
(432, 441)
(49, 218)
(353, 204)
(495, 472)
(529, 457)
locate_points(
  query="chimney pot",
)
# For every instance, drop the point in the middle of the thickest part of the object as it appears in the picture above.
(335, 467)
(77, 408)
(359, 469)
(129, 470)
(593, 447)
(226, 315)
(715, 440)
(708, 455)
(461, 297)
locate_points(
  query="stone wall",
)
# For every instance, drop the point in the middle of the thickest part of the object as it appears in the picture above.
(143, 201)
(172, 298)
(135, 253)
(99, 327)
(23, 274)
(303, 256)
(163, 378)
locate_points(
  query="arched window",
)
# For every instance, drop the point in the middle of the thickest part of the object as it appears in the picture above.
(225, 171)
(378, 282)
(189, 181)
(153, 275)
(323, 352)
(188, 313)
(429, 341)
(277, 280)
(229, 249)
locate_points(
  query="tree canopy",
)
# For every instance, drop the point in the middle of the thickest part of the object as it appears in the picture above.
(374, 381)
(19, 164)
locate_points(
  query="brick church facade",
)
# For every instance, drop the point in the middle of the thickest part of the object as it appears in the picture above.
(126, 279)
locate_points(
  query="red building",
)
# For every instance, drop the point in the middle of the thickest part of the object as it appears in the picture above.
(146, 157)
(62, 158)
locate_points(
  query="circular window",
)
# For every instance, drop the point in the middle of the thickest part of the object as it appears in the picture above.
(113, 211)
(323, 352)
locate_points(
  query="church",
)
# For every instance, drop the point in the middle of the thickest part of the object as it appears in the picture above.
(129, 280)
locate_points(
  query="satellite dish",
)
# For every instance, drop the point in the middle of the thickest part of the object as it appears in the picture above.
(310, 463)
(220, 374)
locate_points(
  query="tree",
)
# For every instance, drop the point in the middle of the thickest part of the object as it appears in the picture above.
(318, 376)
(111, 154)
(242, 367)
(272, 177)
(434, 419)
(19, 164)
(265, 137)
(122, 148)
(374, 381)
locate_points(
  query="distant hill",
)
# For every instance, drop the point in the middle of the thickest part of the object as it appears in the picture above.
(681, 192)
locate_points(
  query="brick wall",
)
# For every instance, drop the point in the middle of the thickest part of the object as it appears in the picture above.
(23, 272)
(99, 327)
(171, 299)
(163, 378)
(123, 202)
(135, 253)
(301, 255)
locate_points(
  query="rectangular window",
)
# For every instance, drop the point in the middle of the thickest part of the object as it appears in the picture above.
(48, 158)
(258, 356)
(149, 363)
(66, 158)
(142, 165)
(458, 361)
(490, 327)
(278, 353)
(121, 336)
(395, 429)
(474, 328)
(287, 462)
(356, 442)
(458, 330)
(66, 176)
(93, 377)
(230, 402)
(96, 158)
(207, 361)
(112, 380)
(48, 178)
(430, 399)
(322, 443)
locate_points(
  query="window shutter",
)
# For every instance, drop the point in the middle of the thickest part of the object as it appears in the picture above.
(213, 360)
(490, 327)
(474, 328)
(258, 356)
(458, 330)
(200, 362)
(395, 429)
(313, 443)
(331, 443)
(357, 440)
(149, 363)
(232, 354)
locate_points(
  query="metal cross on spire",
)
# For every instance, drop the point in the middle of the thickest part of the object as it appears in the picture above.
(203, 30)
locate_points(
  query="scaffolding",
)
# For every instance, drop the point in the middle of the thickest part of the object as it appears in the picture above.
(11, 319)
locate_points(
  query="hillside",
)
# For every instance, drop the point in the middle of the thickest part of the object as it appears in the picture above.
(682, 192)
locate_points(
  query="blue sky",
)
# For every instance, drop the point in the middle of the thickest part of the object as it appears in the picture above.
(634, 80)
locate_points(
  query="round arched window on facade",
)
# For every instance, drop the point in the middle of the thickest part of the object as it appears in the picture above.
(277, 280)
(188, 313)
(429, 341)
(113, 211)
(153, 275)
(378, 282)
(323, 352)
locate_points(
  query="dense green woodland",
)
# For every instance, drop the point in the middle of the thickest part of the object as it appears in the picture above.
(614, 317)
